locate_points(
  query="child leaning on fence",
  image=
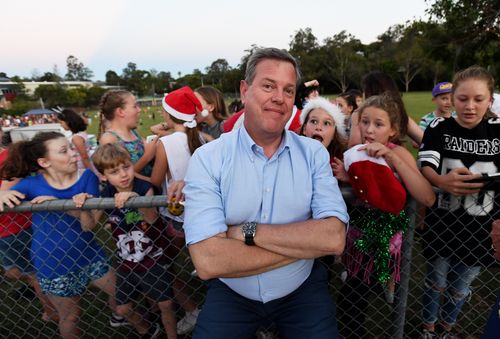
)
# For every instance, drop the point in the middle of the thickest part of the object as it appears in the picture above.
(65, 255)
(140, 242)
(454, 152)
(380, 171)
(173, 153)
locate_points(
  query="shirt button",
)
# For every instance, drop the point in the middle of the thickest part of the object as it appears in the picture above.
(268, 190)
(265, 216)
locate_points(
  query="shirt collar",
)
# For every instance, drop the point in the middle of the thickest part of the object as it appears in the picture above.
(254, 150)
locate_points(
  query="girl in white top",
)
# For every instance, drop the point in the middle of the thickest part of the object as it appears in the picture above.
(174, 151)
(74, 122)
(172, 157)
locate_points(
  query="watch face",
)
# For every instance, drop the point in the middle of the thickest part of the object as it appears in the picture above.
(249, 228)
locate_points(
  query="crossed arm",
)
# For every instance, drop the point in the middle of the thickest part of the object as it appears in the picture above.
(226, 255)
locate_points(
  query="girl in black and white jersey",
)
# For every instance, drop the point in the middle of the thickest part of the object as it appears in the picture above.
(454, 152)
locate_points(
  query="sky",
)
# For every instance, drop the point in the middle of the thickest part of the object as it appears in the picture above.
(176, 35)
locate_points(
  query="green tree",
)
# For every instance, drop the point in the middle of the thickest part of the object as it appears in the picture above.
(52, 95)
(136, 79)
(305, 48)
(342, 59)
(112, 78)
(472, 31)
(75, 97)
(50, 77)
(94, 95)
(217, 71)
(76, 71)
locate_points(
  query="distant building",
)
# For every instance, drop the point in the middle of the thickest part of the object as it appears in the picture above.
(8, 87)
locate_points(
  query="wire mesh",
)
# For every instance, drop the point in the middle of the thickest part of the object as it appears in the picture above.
(22, 313)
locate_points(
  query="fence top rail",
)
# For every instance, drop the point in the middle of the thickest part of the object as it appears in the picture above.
(109, 203)
(92, 203)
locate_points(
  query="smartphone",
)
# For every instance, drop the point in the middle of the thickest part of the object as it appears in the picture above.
(487, 178)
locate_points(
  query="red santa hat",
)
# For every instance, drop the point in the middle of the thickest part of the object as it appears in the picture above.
(373, 181)
(333, 110)
(183, 105)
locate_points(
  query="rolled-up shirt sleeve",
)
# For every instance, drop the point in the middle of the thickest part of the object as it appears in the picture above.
(204, 212)
(327, 200)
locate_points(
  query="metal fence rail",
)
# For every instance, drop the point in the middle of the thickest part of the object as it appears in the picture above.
(21, 312)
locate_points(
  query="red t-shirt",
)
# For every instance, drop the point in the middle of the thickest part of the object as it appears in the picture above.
(12, 223)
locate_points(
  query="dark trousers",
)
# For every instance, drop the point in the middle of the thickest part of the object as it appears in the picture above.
(308, 312)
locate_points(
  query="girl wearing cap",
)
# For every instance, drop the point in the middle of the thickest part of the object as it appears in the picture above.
(173, 152)
(323, 121)
(121, 112)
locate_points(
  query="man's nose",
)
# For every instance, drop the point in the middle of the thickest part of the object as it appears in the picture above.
(278, 96)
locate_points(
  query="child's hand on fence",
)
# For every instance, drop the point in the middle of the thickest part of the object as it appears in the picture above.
(10, 198)
(339, 170)
(80, 199)
(122, 197)
(457, 182)
(42, 198)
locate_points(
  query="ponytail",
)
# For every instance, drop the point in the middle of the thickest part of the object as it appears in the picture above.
(193, 135)
(194, 139)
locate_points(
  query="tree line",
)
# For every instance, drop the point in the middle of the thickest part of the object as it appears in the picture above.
(418, 53)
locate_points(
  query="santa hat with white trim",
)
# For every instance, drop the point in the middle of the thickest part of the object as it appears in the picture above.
(332, 109)
(183, 105)
(373, 181)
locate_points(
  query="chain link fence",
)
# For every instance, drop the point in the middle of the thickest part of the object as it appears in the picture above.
(21, 311)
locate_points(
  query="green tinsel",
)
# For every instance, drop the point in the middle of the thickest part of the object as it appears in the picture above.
(378, 228)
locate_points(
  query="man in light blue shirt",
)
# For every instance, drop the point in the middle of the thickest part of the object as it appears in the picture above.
(261, 204)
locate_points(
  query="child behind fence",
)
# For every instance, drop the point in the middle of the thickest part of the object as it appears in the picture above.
(377, 169)
(120, 114)
(454, 152)
(173, 153)
(140, 242)
(65, 255)
(15, 243)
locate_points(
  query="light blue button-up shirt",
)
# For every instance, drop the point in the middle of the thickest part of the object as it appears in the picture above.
(230, 181)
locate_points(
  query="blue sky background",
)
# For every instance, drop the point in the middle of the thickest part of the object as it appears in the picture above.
(173, 35)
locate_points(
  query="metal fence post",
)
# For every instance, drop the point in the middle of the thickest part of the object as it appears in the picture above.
(402, 293)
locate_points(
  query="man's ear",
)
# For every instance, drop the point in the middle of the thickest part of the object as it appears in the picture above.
(243, 90)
